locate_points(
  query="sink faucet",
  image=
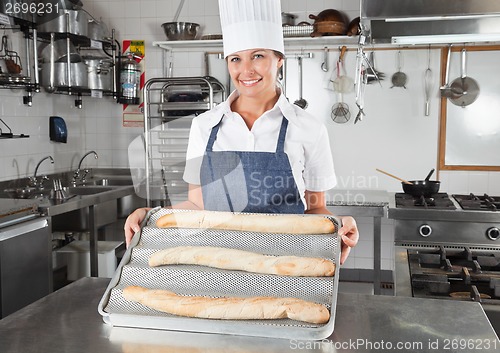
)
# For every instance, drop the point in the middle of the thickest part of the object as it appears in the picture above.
(77, 174)
(34, 180)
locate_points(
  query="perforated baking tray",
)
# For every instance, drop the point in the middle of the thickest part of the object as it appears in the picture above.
(211, 282)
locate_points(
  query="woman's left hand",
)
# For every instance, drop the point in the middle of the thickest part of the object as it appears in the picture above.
(350, 236)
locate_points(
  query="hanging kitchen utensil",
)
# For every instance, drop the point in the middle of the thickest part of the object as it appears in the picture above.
(446, 90)
(301, 102)
(399, 78)
(340, 112)
(360, 82)
(11, 58)
(342, 83)
(467, 86)
(371, 73)
(428, 84)
(324, 64)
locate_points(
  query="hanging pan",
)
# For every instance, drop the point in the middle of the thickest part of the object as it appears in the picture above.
(465, 88)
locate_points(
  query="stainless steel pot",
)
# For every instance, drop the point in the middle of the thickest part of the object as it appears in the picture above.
(78, 75)
(97, 30)
(99, 74)
(60, 51)
(69, 21)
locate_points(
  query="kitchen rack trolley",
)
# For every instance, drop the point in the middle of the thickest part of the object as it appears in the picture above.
(170, 104)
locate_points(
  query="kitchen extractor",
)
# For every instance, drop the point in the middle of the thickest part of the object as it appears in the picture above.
(430, 21)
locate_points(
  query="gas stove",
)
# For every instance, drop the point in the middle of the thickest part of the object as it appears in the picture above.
(455, 274)
(481, 203)
(448, 220)
(438, 201)
(448, 247)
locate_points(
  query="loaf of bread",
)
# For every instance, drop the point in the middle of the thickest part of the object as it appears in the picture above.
(282, 223)
(228, 308)
(233, 259)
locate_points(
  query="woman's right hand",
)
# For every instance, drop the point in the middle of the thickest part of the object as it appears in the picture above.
(133, 223)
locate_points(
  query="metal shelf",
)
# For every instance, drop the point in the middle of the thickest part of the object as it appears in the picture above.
(291, 41)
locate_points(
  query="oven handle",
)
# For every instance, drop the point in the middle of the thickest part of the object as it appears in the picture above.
(22, 228)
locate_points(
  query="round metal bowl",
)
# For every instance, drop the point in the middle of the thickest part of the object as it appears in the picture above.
(180, 30)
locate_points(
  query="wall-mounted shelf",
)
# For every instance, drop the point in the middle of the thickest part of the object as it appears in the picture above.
(10, 135)
(291, 41)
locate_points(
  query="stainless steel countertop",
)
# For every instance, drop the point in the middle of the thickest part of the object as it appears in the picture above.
(68, 321)
(51, 207)
(357, 202)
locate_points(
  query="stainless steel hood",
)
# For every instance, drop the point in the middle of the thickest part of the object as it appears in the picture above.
(430, 21)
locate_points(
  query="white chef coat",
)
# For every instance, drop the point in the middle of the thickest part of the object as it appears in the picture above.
(307, 144)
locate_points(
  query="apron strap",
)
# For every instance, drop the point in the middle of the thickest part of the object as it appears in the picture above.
(280, 147)
(213, 136)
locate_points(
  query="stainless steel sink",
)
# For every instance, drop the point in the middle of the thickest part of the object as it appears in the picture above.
(86, 190)
(78, 220)
(111, 182)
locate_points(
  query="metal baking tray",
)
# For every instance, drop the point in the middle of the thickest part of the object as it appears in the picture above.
(211, 282)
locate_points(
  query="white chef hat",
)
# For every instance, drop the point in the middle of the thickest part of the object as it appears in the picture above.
(249, 24)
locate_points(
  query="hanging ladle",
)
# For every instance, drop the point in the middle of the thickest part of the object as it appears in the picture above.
(301, 102)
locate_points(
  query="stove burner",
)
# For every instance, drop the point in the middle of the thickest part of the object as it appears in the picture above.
(436, 201)
(480, 203)
(425, 201)
(442, 273)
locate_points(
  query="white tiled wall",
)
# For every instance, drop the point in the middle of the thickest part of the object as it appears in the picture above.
(394, 135)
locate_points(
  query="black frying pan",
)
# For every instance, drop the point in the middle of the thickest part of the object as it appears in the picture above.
(419, 188)
(425, 187)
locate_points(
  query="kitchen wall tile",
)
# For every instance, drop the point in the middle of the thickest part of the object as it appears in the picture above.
(348, 5)
(117, 8)
(459, 182)
(387, 264)
(148, 9)
(350, 262)
(132, 28)
(193, 8)
(133, 9)
(366, 263)
(212, 7)
(494, 183)
(315, 6)
(164, 10)
(478, 182)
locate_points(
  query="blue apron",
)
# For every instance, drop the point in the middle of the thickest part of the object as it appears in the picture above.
(240, 181)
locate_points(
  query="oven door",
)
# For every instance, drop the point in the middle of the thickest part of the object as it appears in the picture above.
(25, 264)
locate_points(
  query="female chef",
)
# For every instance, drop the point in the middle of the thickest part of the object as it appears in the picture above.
(256, 152)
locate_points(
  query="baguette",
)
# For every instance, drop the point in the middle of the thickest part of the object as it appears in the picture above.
(233, 259)
(228, 308)
(287, 223)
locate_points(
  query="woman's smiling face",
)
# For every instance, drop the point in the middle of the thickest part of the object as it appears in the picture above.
(254, 71)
